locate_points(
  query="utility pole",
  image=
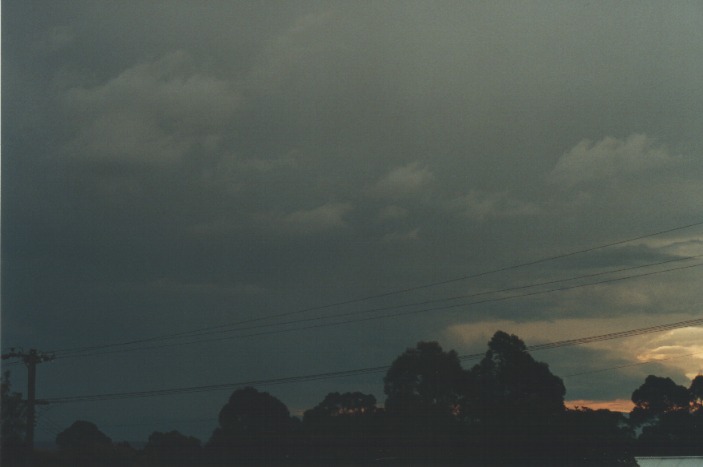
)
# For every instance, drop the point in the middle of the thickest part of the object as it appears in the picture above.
(31, 359)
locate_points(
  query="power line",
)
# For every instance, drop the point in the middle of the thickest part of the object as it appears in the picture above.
(216, 387)
(48, 422)
(357, 320)
(11, 363)
(441, 300)
(360, 371)
(628, 365)
(405, 313)
(599, 370)
(370, 297)
(31, 359)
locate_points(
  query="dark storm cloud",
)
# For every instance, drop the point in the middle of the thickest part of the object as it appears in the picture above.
(174, 165)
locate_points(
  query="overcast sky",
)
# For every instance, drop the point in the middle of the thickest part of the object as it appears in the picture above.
(169, 166)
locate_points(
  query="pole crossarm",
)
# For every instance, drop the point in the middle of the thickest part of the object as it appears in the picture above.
(33, 356)
(31, 359)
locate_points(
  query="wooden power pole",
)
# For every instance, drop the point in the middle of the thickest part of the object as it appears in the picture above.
(31, 359)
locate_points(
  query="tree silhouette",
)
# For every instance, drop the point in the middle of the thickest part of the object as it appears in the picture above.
(424, 388)
(83, 444)
(253, 425)
(670, 416)
(343, 426)
(594, 437)
(676, 433)
(336, 405)
(656, 397)
(172, 448)
(508, 383)
(512, 396)
(424, 382)
(696, 394)
(14, 416)
(507, 410)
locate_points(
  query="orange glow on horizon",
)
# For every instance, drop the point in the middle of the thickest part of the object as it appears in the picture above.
(616, 405)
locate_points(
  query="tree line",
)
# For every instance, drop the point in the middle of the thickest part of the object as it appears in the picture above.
(508, 409)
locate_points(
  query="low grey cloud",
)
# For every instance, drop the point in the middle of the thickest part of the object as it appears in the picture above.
(609, 159)
(482, 206)
(151, 113)
(165, 285)
(56, 39)
(401, 182)
(327, 216)
(392, 212)
(409, 235)
(173, 165)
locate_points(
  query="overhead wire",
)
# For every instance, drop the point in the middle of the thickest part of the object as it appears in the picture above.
(446, 299)
(405, 313)
(211, 330)
(589, 372)
(628, 365)
(363, 371)
(381, 295)
(51, 427)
